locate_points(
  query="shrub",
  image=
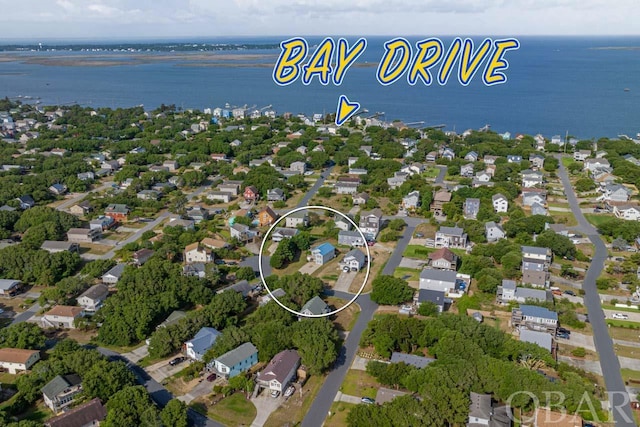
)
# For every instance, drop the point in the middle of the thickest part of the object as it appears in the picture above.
(579, 352)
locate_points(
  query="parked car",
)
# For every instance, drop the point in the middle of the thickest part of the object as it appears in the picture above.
(275, 394)
(289, 391)
(563, 335)
(564, 330)
(212, 377)
(218, 261)
(620, 316)
(570, 292)
(367, 400)
(371, 242)
(419, 235)
(177, 361)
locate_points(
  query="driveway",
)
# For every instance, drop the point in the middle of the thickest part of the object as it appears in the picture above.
(137, 354)
(309, 268)
(416, 264)
(632, 317)
(265, 405)
(579, 340)
(203, 388)
(344, 281)
(162, 370)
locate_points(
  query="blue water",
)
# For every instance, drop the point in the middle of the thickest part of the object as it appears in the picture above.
(555, 85)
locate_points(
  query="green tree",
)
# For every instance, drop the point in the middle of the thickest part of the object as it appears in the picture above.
(429, 309)
(317, 343)
(131, 406)
(174, 414)
(105, 379)
(390, 290)
(245, 273)
(22, 335)
(585, 184)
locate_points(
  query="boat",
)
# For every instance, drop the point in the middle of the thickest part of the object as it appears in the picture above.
(626, 89)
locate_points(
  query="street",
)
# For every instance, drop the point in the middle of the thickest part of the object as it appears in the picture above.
(314, 189)
(618, 397)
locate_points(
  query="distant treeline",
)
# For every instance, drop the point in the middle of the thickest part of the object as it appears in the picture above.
(140, 47)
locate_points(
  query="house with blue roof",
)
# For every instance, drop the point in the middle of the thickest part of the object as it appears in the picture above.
(201, 342)
(323, 253)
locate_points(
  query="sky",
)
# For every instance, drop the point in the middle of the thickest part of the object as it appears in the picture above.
(122, 19)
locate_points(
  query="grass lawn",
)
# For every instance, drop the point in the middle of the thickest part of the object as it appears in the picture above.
(344, 320)
(417, 252)
(293, 410)
(625, 334)
(565, 218)
(359, 383)
(611, 307)
(293, 267)
(234, 410)
(597, 219)
(339, 412)
(403, 272)
(629, 374)
(624, 351)
(623, 324)
(566, 161)
(431, 172)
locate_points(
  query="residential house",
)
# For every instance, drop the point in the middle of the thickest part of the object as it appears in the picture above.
(536, 160)
(493, 232)
(231, 187)
(58, 189)
(275, 195)
(534, 318)
(267, 216)
(196, 269)
(471, 156)
(615, 193)
(10, 287)
(359, 171)
(18, 359)
(196, 252)
(81, 208)
(581, 155)
(112, 276)
(500, 203)
(542, 339)
(280, 371)
(251, 194)
(26, 202)
(91, 300)
(629, 158)
(111, 165)
(433, 296)
(470, 208)
(342, 223)
(448, 153)
(411, 359)
(315, 307)
(530, 197)
(451, 237)
(431, 156)
(214, 243)
(466, 170)
(219, 157)
(350, 238)
(236, 361)
(141, 256)
(535, 273)
(538, 209)
(490, 160)
(413, 169)
(346, 187)
(117, 211)
(299, 167)
(61, 391)
(397, 179)
(370, 223)
(531, 178)
(628, 212)
(355, 260)
(534, 253)
(197, 214)
(443, 259)
(360, 199)
(281, 233)
(512, 158)
(276, 293)
(196, 347)
(89, 414)
(544, 417)
(173, 319)
(85, 176)
(148, 195)
(242, 287)
(560, 229)
(83, 235)
(323, 253)
(158, 168)
(593, 164)
(438, 280)
(439, 199)
(482, 178)
(242, 232)
(62, 317)
(483, 412)
(510, 292)
(220, 196)
(411, 201)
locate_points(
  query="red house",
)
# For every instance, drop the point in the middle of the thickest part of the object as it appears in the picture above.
(218, 156)
(117, 212)
(251, 194)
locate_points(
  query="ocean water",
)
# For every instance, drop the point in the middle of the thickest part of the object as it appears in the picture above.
(555, 85)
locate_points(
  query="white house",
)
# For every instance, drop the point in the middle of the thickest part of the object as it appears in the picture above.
(493, 232)
(628, 212)
(197, 253)
(500, 203)
(17, 359)
(531, 178)
(91, 300)
(581, 155)
(355, 260)
(62, 316)
(300, 218)
(196, 347)
(280, 371)
(593, 164)
(411, 201)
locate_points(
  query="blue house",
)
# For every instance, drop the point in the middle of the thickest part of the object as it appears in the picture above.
(236, 361)
(203, 341)
(323, 253)
(226, 114)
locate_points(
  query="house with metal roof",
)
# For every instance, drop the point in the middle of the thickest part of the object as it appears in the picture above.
(315, 307)
(61, 391)
(543, 339)
(323, 253)
(483, 412)
(534, 318)
(85, 415)
(354, 259)
(236, 361)
(280, 371)
(196, 347)
(9, 287)
(410, 359)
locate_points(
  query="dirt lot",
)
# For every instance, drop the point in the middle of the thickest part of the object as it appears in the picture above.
(378, 260)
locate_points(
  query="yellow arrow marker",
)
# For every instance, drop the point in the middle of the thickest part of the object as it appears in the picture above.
(346, 109)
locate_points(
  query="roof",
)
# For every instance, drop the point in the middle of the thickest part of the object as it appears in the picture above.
(287, 232)
(324, 249)
(6, 284)
(443, 253)
(95, 292)
(385, 395)
(480, 406)
(543, 339)
(173, 318)
(79, 231)
(410, 359)
(528, 293)
(117, 208)
(116, 271)
(357, 254)
(535, 250)
(428, 295)
(351, 233)
(453, 231)
(269, 212)
(315, 306)
(497, 197)
(204, 339)
(59, 384)
(196, 246)
(441, 275)
(16, 355)
(280, 366)
(535, 311)
(143, 253)
(237, 355)
(508, 284)
(64, 311)
(213, 243)
(80, 416)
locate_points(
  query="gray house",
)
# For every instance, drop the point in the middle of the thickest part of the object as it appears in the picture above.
(355, 260)
(471, 208)
(493, 231)
(112, 276)
(438, 280)
(350, 238)
(314, 307)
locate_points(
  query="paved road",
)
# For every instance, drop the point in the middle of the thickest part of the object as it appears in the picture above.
(158, 393)
(618, 396)
(314, 189)
(135, 236)
(325, 397)
(24, 316)
(441, 175)
(76, 198)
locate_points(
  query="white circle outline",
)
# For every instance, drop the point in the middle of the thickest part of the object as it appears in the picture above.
(317, 207)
